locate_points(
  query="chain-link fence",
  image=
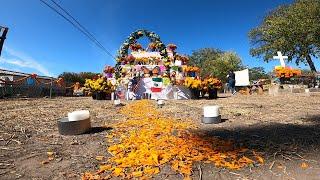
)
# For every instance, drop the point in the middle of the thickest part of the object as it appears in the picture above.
(16, 84)
(22, 90)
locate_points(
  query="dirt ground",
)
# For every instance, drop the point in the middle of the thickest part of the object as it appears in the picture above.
(284, 129)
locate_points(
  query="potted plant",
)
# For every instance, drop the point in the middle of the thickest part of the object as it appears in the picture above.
(211, 85)
(194, 85)
(100, 87)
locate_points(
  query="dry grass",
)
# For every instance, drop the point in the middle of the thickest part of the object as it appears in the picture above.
(284, 128)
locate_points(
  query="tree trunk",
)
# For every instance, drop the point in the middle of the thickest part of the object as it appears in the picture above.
(311, 64)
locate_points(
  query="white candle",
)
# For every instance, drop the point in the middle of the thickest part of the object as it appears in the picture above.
(117, 102)
(78, 115)
(112, 96)
(175, 95)
(160, 102)
(211, 111)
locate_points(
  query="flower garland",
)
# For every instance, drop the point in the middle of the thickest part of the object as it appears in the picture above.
(153, 37)
(135, 47)
(132, 39)
(182, 58)
(108, 69)
(172, 47)
(152, 46)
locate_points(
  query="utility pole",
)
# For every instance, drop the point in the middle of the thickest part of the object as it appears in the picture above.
(4, 31)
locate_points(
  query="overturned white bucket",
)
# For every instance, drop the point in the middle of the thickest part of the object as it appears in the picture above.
(77, 122)
(211, 115)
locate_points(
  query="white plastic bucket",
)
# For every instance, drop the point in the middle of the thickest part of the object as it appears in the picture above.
(211, 111)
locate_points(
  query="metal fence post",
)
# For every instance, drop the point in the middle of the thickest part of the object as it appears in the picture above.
(51, 89)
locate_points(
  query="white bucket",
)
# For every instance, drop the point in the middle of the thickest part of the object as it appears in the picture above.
(211, 111)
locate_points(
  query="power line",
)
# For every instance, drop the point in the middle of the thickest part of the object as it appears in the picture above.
(77, 26)
(85, 29)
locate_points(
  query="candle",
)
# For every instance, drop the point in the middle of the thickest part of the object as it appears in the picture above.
(175, 95)
(211, 111)
(160, 102)
(78, 115)
(117, 102)
(112, 96)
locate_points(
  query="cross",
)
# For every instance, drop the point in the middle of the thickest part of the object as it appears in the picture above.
(281, 58)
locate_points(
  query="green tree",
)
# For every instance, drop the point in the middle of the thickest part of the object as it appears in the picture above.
(257, 73)
(292, 29)
(202, 56)
(307, 72)
(215, 62)
(87, 75)
(71, 77)
(224, 63)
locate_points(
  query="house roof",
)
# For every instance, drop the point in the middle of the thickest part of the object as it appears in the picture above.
(15, 73)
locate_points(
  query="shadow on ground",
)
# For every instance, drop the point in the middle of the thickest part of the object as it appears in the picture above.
(95, 130)
(274, 138)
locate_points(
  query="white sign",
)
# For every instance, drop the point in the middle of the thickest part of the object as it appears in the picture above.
(281, 58)
(145, 54)
(168, 92)
(242, 78)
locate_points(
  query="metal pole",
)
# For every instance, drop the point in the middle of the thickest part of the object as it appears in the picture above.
(51, 89)
(3, 37)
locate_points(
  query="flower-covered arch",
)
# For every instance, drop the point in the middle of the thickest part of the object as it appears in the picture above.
(134, 36)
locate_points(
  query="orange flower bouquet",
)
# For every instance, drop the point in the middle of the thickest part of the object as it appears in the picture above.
(211, 83)
(193, 83)
(287, 72)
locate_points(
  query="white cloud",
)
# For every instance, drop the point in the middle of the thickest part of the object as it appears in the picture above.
(22, 60)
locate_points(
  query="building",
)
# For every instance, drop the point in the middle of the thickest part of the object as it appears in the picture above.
(19, 84)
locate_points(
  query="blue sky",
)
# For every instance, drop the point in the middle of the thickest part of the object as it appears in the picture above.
(40, 41)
